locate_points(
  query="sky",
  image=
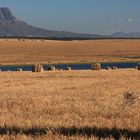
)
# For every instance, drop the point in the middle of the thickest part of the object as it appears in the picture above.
(84, 16)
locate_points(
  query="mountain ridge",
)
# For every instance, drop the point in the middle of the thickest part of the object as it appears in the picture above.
(10, 26)
(126, 34)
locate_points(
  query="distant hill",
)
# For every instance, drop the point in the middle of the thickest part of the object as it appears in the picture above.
(126, 35)
(10, 26)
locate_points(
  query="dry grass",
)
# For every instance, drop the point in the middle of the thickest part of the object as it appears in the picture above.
(51, 137)
(35, 51)
(76, 103)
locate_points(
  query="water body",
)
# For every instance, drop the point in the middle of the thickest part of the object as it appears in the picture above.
(73, 66)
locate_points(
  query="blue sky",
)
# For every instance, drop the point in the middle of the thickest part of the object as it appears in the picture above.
(86, 16)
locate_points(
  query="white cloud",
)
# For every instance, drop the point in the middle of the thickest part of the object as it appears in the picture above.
(130, 20)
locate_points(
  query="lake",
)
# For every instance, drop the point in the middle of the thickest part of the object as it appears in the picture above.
(73, 66)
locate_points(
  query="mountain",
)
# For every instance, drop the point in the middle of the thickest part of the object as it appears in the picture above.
(126, 34)
(10, 26)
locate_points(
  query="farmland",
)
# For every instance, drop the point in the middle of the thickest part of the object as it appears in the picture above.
(14, 51)
(81, 104)
(76, 105)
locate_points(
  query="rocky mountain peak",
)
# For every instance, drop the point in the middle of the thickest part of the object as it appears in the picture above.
(6, 15)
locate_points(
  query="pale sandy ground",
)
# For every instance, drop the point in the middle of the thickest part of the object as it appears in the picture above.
(67, 99)
(36, 51)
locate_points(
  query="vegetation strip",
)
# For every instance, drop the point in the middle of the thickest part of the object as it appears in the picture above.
(72, 131)
(23, 131)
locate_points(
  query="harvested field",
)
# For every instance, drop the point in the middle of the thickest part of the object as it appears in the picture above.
(36, 51)
(81, 104)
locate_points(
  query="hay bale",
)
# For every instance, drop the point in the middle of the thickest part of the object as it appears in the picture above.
(19, 69)
(37, 68)
(40, 68)
(114, 67)
(34, 68)
(107, 68)
(138, 67)
(51, 68)
(68, 68)
(96, 66)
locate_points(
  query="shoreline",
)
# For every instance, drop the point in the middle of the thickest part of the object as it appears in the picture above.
(64, 63)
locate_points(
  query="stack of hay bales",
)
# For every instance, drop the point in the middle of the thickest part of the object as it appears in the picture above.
(19, 69)
(37, 68)
(96, 66)
(51, 68)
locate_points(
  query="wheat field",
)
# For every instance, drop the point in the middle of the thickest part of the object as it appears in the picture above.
(78, 105)
(14, 51)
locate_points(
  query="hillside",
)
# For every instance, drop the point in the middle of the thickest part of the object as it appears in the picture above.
(10, 26)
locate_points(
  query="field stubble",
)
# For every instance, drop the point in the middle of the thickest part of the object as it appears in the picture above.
(13, 51)
(70, 103)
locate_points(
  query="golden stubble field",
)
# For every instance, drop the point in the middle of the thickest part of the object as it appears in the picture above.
(36, 51)
(76, 103)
